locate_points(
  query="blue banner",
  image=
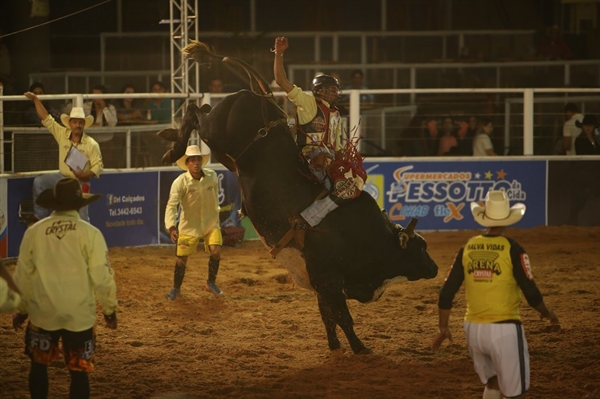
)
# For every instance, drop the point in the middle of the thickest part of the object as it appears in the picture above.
(126, 214)
(439, 193)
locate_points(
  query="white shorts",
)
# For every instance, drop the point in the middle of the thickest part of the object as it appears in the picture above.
(500, 349)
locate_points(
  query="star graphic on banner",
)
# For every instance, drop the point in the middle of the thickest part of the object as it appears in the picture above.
(501, 174)
(488, 175)
(477, 175)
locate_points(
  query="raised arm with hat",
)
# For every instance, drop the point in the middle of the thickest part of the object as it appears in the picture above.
(67, 136)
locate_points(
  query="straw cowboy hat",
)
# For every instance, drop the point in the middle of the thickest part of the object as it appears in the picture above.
(65, 196)
(496, 211)
(194, 151)
(77, 113)
(588, 120)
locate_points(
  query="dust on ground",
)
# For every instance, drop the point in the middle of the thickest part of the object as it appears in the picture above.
(265, 338)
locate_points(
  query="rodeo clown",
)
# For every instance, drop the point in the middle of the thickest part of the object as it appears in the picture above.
(336, 165)
(495, 269)
(196, 191)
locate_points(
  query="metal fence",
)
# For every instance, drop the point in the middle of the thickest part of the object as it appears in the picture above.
(527, 122)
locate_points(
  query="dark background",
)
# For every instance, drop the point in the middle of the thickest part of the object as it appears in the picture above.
(73, 43)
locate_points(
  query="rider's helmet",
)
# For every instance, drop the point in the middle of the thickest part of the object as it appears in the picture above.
(323, 81)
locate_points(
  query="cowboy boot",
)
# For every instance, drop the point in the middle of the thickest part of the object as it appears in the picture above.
(179, 274)
(213, 269)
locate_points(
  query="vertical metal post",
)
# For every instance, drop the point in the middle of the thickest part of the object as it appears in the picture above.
(413, 84)
(383, 140)
(252, 15)
(506, 126)
(383, 15)
(354, 128)
(335, 42)
(567, 74)
(363, 49)
(317, 52)
(128, 149)
(528, 122)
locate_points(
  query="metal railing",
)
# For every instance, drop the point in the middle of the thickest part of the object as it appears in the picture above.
(526, 96)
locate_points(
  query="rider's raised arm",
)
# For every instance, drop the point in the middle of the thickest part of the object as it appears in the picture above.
(281, 44)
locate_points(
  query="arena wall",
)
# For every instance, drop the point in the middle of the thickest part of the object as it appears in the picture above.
(438, 191)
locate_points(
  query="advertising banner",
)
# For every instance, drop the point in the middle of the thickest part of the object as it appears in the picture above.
(126, 214)
(439, 193)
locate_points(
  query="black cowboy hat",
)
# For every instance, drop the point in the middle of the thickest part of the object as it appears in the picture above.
(588, 120)
(65, 196)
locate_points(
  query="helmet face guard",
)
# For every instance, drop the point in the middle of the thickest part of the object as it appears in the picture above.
(322, 85)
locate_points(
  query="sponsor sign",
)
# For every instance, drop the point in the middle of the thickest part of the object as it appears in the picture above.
(126, 214)
(439, 193)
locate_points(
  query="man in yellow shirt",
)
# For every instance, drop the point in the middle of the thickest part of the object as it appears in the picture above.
(197, 191)
(62, 270)
(70, 136)
(495, 270)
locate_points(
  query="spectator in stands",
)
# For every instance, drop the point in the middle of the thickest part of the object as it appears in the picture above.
(464, 139)
(30, 116)
(160, 109)
(587, 143)
(215, 86)
(420, 138)
(357, 83)
(472, 130)
(570, 130)
(554, 47)
(71, 136)
(448, 140)
(482, 144)
(104, 113)
(127, 110)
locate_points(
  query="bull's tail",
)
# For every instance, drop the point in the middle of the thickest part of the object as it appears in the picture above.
(203, 54)
(200, 52)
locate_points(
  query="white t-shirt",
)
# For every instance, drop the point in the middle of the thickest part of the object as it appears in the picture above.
(481, 144)
(572, 131)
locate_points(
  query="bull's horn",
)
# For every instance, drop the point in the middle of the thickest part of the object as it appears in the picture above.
(410, 229)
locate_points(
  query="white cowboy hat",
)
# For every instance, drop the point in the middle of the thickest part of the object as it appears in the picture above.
(496, 211)
(77, 113)
(194, 151)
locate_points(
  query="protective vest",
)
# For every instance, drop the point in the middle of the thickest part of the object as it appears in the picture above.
(322, 128)
(492, 291)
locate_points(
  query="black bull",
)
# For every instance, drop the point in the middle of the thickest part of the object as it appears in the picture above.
(355, 252)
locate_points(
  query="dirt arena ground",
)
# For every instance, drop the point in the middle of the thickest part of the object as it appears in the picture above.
(265, 339)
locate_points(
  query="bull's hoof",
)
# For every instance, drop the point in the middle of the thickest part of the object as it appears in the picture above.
(364, 351)
(166, 159)
(169, 134)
